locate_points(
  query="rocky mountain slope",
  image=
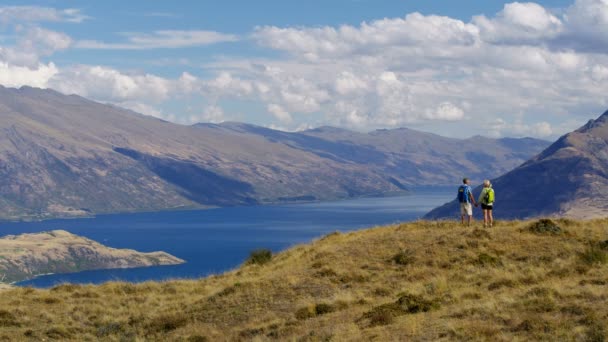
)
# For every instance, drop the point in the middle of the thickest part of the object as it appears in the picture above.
(404, 156)
(569, 179)
(68, 156)
(28, 255)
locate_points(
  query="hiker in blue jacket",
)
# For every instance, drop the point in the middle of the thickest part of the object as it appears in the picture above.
(467, 201)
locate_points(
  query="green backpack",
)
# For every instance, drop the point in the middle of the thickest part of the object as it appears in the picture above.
(489, 197)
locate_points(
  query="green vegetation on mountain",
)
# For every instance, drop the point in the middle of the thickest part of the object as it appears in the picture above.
(416, 281)
(28, 255)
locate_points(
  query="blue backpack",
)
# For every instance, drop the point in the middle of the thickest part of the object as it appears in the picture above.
(463, 194)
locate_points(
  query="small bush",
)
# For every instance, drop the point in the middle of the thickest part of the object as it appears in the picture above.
(545, 226)
(534, 324)
(501, 283)
(406, 304)
(109, 329)
(319, 309)
(197, 338)
(381, 317)
(540, 304)
(168, 322)
(404, 257)
(323, 308)
(472, 295)
(65, 288)
(326, 273)
(7, 319)
(594, 254)
(542, 292)
(58, 333)
(481, 234)
(487, 260)
(381, 292)
(260, 257)
(596, 333)
(305, 313)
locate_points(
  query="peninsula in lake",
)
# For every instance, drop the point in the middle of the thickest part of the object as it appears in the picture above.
(26, 256)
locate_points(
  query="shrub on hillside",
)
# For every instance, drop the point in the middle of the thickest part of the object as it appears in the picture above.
(8, 319)
(260, 256)
(406, 304)
(545, 226)
(168, 322)
(486, 260)
(595, 254)
(319, 309)
(404, 257)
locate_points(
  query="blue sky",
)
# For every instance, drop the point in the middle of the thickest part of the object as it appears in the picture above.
(454, 68)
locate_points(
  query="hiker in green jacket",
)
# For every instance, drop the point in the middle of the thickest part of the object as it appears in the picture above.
(486, 198)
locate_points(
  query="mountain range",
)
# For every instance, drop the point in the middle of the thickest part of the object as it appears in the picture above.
(64, 155)
(568, 179)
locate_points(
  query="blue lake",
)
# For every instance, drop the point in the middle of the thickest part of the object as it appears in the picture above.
(213, 241)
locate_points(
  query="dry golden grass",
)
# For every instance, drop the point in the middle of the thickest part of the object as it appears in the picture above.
(415, 281)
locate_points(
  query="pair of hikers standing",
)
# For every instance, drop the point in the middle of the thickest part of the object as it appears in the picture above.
(467, 201)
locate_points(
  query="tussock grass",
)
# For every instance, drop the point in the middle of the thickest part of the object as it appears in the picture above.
(414, 281)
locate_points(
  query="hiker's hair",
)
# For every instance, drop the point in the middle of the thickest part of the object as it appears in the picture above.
(465, 180)
(487, 183)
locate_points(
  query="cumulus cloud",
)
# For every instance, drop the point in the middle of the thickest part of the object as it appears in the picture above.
(321, 42)
(587, 23)
(17, 76)
(519, 23)
(416, 69)
(445, 111)
(164, 39)
(32, 44)
(500, 127)
(211, 113)
(279, 113)
(107, 84)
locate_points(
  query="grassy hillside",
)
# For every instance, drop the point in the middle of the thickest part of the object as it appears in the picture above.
(417, 281)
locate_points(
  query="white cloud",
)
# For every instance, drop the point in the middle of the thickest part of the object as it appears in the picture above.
(142, 108)
(587, 23)
(500, 127)
(519, 23)
(322, 42)
(110, 85)
(20, 14)
(32, 44)
(281, 114)
(445, 111)
(163, 39)
(211, 113)
(17, 76)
